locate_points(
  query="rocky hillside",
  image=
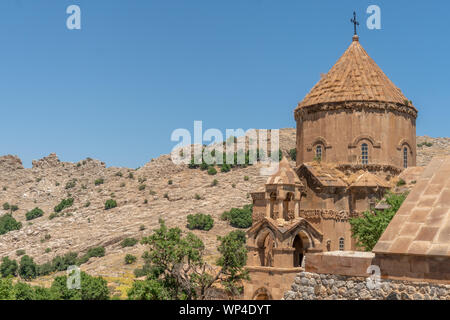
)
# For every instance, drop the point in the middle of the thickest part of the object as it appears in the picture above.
(157, 190)
(427, 148)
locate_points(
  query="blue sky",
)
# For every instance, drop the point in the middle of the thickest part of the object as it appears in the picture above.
(138, 69)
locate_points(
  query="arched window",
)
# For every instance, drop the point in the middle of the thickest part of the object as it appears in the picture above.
(365, 153)
(319, 152)
(405, 157)
(341, 244)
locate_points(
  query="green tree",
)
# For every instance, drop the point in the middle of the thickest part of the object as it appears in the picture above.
(91, 288)
(27, 268)
(368, 229)
(6, 289)
(23, 291)
(148, 290)
(8, 267)
(176, 268)
(233, 260)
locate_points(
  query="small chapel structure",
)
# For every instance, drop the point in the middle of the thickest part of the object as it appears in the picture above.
(356, 132)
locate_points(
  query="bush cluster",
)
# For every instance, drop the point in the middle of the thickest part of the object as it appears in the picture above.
(109, 204)
(200, 221)
(65, 203)
(239, 218)
(35, 213)
(128, 242)
(129, 259)
(92, 288)
(71, 184)
(8, 223)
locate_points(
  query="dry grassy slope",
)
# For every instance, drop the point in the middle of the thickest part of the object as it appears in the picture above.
(84, 227)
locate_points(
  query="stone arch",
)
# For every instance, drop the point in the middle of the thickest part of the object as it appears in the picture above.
(358, 139)
(305, 236)
(404, 142)
(262, 294)
(266, 242)
(319, 140)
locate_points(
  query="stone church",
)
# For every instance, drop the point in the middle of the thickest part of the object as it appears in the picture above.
(356, 132)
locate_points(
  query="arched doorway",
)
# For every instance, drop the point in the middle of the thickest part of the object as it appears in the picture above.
(266, 243)
(299, 251)
(300, 244)
(262, 294)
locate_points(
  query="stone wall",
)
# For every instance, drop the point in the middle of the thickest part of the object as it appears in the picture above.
(314, 286)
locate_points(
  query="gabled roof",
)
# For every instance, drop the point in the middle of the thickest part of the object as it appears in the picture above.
(422, 224)
(285, 175)
(327, 177)
(368, 180)
(285, 227)
(354, 77)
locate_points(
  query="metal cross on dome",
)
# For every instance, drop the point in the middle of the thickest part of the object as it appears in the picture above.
(354, 21)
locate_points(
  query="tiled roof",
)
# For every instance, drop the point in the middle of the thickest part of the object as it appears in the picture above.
(368, 179)
(354, 77)
(422, 224)
(327, 177)
(284, 175)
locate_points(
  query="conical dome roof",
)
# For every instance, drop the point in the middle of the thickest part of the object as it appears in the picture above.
(354, 77)
(285, 175)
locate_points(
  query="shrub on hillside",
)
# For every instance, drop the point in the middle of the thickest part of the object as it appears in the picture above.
(65, 203)
(239, 218)
(99, 181)
(8, 223)
(225, 168)
(96, 252)
(212, 171)
(128, 242)
(6, 206)
(200, 221)
(35, 213)
(129, 259)
(8, 267)
(61, 263)
(109, 204)
(70, 184)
